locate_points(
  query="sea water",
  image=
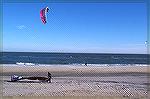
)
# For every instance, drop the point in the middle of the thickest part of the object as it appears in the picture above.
(72, 58)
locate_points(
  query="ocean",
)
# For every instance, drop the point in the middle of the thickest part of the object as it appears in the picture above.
(72, 58)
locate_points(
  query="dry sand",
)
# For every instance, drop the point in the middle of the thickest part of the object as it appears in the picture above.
(126, 81)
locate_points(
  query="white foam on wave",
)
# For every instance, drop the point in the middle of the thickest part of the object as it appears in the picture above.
(25, 64)
(74, 65)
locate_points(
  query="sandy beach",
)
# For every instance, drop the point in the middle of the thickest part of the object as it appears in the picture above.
(70, 80)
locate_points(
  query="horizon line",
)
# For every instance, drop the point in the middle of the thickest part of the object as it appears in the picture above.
(66, 52)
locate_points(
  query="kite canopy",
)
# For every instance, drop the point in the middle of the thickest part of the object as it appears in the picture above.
(43, 15)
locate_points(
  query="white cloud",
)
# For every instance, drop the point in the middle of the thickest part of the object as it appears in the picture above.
(20, 27)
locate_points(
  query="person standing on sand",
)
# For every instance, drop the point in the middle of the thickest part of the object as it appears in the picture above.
(49, 77)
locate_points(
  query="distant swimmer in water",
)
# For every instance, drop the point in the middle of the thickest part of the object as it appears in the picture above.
(85, 64)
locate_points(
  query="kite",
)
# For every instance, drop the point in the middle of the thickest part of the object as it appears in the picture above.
(43, 15)
(146, 43)
(16, 78)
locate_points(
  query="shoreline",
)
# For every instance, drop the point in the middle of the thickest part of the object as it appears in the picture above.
(95, 65)
(73, 70)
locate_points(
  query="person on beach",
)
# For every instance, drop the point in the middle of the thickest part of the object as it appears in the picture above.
(49, 77)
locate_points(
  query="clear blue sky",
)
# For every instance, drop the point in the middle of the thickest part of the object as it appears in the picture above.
(75, 27)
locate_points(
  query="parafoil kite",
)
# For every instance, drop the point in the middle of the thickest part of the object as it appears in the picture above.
(43, 15)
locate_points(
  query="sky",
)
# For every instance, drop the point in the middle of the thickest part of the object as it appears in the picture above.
(75, 27)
